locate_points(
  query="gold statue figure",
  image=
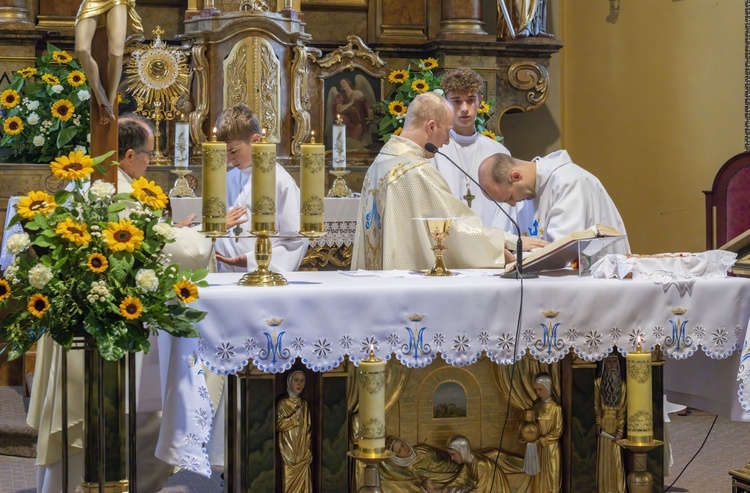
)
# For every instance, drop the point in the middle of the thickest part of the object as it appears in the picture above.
(405, 471)
(293, 425)
(548, 415)
(609, 407)
(120, 15)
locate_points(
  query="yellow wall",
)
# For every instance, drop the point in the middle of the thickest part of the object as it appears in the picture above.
(653, 104)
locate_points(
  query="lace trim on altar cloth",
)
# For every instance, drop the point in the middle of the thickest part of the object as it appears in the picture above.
(338, 234)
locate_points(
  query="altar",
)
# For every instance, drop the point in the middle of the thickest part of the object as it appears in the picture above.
(328, 321)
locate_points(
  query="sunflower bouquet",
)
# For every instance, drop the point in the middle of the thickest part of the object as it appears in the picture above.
(46, 109)
(90, 260)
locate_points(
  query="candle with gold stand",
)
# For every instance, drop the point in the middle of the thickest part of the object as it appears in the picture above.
(263, 214)
(640, 421)
(312, 169)
(339, 188)
(372, 405)
(214, 186)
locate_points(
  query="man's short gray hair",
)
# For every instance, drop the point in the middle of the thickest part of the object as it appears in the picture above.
(425, 107)
(500, 166)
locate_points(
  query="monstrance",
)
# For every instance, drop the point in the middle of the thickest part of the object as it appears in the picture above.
(156, 76)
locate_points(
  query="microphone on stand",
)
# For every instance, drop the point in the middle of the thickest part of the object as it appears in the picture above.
(519, 247)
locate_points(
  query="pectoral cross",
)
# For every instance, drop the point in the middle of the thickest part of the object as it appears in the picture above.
(469, 197)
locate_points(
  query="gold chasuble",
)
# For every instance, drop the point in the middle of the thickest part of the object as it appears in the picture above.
(402, 185)
(293, 425)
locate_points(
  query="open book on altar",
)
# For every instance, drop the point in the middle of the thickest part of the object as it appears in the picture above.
(570, 249)
(740, 245)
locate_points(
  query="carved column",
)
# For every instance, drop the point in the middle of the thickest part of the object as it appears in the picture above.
(15, 11)
(462, 19)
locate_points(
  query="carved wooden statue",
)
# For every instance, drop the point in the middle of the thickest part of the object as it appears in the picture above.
(548, 414)
(609, 407)
(293, 425)
(120, 14)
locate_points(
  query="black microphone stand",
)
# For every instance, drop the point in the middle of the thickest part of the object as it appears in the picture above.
(519, 273)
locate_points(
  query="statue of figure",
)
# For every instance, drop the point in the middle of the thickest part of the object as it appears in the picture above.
(405, 471)
(479, 474)
(548, 414)
(120, 15)
(293, 425)
(529, 18)
(609, 407)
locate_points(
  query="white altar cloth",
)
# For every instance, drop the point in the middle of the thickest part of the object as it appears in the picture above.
(340, 222)
(322, 317)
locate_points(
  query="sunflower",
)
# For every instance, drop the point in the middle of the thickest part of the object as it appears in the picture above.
(131, 308)
(149, 193)
(4, 290)
(74, 166)
(420, 85)
(397, 108)
(484, 108)
(63, 109)
(38, 305)
(61, 57)
(35, 203)
(398, 76)
(50, 79)
(122, 235)
(10, 98)
(429, 63)
(13, 126)
(186, 291)
(97, 263)
(490, 134)
(73, 232)
(398, 131)
(27, 72)
(76, 78)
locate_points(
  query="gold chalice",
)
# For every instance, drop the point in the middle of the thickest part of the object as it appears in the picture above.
(438, 228)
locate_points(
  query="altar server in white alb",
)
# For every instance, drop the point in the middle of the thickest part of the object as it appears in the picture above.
(402, 185)
(468, 148)
(566, 197)
(239, 128)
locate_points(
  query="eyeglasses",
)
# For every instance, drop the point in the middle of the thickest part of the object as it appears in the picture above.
(151, 154)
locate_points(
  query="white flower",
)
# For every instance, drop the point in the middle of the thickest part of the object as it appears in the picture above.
(39, 276)
(439, 91)
(80, 148)
(32, 119)
(57, 88)
(39, 140)
(165, 230)
(88, 137)
(84, 95)
(146, 280)
(46, 123)
(32, 105)
(11, 273)
(18, 243)
(102, 190)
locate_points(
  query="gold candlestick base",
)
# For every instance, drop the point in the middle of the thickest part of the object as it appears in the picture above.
(371, 476)
(181, 187)
(639, 479)
(339, 188)
(263, 276)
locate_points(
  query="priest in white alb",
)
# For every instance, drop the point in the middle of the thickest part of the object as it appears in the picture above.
(402, 185)
(566, 197)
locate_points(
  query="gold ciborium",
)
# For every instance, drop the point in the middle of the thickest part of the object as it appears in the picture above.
(438, 228)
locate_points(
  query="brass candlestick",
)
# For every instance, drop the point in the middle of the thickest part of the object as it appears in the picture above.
(371, 476)
(181, 187)
(339, 188)
(438, 229)
(263, 275)
(639, 479)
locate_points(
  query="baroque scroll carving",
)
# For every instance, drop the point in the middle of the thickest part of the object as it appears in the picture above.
(252, 63)
(530, 77)
(301, 94)
(355, 49)
(199, 115)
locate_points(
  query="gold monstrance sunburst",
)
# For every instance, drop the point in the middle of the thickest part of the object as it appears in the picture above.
(157, 76)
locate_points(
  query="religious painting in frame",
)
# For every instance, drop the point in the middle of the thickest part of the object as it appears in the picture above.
(352, 79)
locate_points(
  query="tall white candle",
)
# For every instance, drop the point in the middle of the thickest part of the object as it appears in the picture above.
(339, 143)
(181, 144)
(639, 413)
(372, 405)
(312, 178)
(263, 195)
(214, 185)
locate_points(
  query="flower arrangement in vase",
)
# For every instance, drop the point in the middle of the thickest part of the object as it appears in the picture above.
(45, 110)
(406, 84)
(93, 259)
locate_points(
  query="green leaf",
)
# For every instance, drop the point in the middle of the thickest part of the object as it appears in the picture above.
(65, 135)
(99, 159)
(116, 207)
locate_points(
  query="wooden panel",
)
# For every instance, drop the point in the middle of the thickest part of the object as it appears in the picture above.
(59, 7)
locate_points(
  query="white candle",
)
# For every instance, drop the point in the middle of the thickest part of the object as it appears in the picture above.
(312, 169)
(214, 185)
(372, 405)
(263, 195)
(339, 143)
(639, 398)
(181, 144)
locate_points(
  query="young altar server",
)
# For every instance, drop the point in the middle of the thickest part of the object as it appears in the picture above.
(468, 148)
(566, 197)
(239, 128)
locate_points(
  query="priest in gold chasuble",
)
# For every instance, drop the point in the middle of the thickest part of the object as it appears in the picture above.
(402, 185)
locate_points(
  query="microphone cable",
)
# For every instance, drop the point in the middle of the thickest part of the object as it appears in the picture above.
(694, 455)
